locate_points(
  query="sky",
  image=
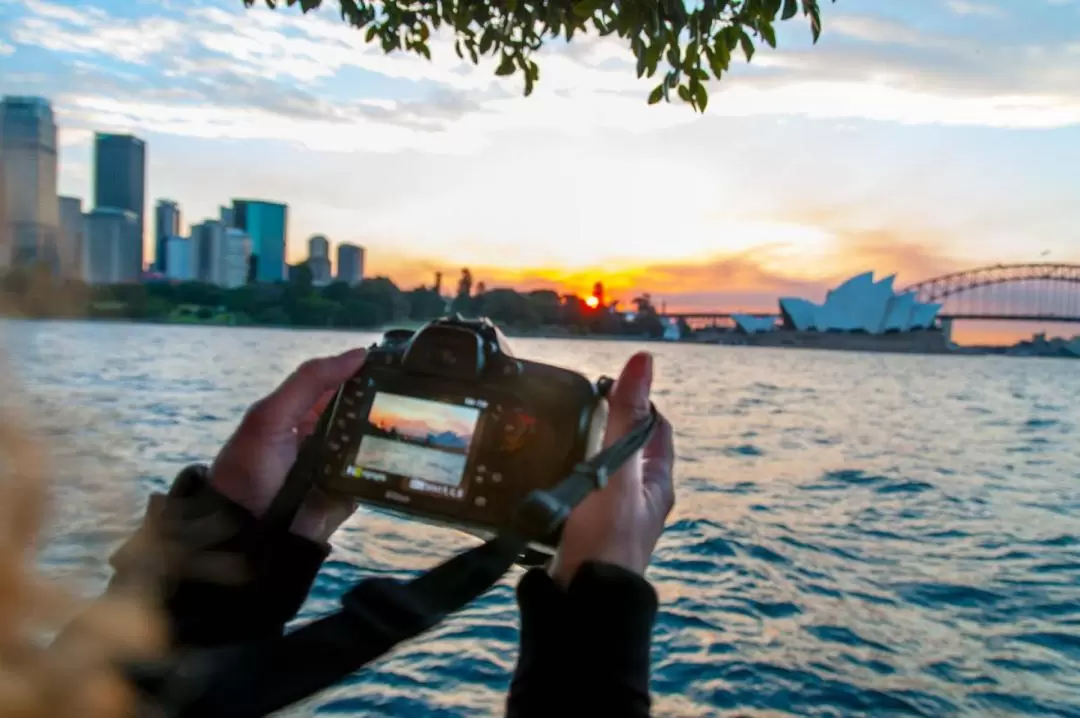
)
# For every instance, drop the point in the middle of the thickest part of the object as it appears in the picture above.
(419, 417)
(916, 138)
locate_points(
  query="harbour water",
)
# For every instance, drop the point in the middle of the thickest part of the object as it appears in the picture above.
(855, 534)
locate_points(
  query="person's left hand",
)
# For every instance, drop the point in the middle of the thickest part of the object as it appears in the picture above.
(253, 464)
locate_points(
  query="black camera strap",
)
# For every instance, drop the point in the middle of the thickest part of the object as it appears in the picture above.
(376, 614)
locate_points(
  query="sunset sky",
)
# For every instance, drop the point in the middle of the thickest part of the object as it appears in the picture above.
(917, 137)
(418, 418)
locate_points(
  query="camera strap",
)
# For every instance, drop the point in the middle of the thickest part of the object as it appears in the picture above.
(376, 614)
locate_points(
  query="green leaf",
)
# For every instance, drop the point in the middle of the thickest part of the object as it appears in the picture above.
(370, 34)
(506, 67)
(422, 48)
(747, 46)
(701, 96)
(587, 8)
(790, 8)
(657, 94)
(768, 34)
(684, 93)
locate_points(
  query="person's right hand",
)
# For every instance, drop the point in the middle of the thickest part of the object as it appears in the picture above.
(621, 523)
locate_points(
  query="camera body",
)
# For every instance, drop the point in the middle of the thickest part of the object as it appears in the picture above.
(446, 425)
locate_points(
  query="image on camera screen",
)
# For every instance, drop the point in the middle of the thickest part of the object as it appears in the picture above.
(418, 439)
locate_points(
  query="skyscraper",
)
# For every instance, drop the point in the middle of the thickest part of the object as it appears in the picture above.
(319, 260)
(220, 254)
(350, 263)
(28, 147)
(166, 225)
(114, 246)
(265, 223)
(72, 238)
(180, 253)
(120, 175)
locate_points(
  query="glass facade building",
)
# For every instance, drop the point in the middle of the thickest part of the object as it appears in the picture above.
(265, 224)
(350, 263)
(166, 226)
(120, 175)
(31, 210)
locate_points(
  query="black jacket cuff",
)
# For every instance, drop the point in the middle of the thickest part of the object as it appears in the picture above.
(592, 640)
(226, 578)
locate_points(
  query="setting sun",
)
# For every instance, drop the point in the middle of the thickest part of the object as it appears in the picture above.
(593, 302)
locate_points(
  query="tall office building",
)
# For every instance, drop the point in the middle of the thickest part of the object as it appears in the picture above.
(114, 251)
(265, 223)
(166, 225)
(221, 254)
(72, 238)
(319, 260)
(120, 175)
(179, 259)
(31, 208)
(350, 263)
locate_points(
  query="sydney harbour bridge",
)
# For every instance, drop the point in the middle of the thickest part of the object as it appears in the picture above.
(1003, 292)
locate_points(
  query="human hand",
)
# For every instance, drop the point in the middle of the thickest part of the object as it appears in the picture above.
(253, 464)
(621, 523)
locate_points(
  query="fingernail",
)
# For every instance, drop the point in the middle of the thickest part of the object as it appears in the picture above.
(645, 385)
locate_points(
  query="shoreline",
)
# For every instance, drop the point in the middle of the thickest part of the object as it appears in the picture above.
(1020, 351)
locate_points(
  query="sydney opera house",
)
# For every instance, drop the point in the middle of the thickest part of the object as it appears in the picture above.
(861, 313)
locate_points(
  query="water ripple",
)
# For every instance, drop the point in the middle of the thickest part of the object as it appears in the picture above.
(855, 534)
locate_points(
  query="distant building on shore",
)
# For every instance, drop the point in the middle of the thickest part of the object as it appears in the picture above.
(858, 305)
(350, 263)
(31, 213)
(120, 177)
(114, 246)
(166, 227)
(72, 238)
(220, 254)
(318, 260)
(179, 258)
(266, 224)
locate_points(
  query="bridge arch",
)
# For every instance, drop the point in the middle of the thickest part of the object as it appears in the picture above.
(1038, 289)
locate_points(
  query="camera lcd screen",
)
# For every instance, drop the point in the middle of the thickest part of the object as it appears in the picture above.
(420, 444)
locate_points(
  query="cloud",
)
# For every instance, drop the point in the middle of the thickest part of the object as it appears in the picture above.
(261, 74)
(980, 9)
(6, 49)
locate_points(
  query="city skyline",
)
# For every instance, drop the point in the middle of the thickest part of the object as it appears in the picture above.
(915, 138)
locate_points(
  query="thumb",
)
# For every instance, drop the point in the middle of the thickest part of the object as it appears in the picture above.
(629, 399)
(290, 403)
(628, 404)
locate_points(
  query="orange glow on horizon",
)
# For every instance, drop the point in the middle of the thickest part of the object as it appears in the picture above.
(592, 302)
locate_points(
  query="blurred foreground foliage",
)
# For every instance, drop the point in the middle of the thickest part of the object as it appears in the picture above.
(694, 41)
(375, 302)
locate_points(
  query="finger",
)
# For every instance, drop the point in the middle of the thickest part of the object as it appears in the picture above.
(658, 463)
(628, 400)
(287, 406)
(311, 420)
(628, 404)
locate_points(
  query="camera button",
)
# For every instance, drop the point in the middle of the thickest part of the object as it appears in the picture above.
(480, 501)
(481, 469)
(496, 477)
(479, 479)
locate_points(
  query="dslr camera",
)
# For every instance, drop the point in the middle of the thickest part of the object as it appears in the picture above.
(447, 426)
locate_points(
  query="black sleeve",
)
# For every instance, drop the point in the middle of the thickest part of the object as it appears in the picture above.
(585, 650)
(222, 577)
